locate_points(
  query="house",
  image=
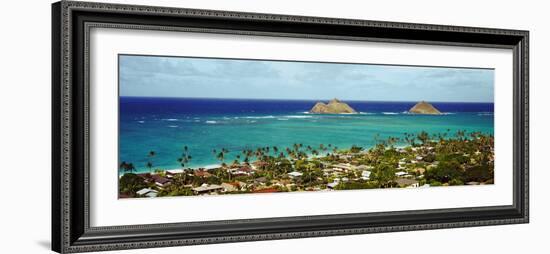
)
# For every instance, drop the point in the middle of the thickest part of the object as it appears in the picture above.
(148, 192)
(259, 164)
(400, 173)
(229, 187)
(260, 180)
(241, 185)
(295, 174)
(332, 185)
(169, 175)
(161, 181)
(365, 175)
(345, 166)
(244, 170)
(207, 189)
(420, 170)
(202, 173)
(364, 167)
(345, 157)
(146, 177)
(143, 191)
(404, 182)
(172, 173)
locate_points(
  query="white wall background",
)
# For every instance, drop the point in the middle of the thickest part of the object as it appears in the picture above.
(25, 125)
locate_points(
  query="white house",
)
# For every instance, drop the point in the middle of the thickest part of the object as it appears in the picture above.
(148, 192)
(295, 174)
(205, 188)
(365, 175)
(332, 185)
(400, 173)
(345, 166)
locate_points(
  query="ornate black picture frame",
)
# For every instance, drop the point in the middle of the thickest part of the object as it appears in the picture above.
(71, 22)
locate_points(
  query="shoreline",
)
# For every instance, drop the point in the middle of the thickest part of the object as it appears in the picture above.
(466, 159)
(209, 167)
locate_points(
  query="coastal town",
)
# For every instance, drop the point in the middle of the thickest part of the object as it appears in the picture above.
(415, 160)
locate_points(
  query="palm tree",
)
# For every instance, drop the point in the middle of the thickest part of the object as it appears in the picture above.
(460, 134)
(259, 153)
(314, 152)
(131, 167)
(123, 165)
(236, 162)
(221, 157)
(185, 157)
(423, 137)
(149, 163)
(127, 167)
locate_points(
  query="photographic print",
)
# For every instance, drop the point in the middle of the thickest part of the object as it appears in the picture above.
(191, 126)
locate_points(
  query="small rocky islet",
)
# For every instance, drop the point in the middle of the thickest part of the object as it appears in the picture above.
(336, 106)
(424, 108)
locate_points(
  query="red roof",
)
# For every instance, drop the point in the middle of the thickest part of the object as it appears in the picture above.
(236, 184)
(202, 173)
(245, 169)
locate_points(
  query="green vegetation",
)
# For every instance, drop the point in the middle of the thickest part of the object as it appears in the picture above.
(412, 161)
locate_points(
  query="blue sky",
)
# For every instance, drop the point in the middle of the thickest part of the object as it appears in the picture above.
(154, 76)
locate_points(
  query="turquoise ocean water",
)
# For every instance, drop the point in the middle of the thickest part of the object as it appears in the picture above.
(166, 125)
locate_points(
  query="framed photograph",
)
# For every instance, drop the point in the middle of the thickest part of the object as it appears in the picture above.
(182, 126)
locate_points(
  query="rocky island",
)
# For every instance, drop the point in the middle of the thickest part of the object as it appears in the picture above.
(335, 106)
(424, 108)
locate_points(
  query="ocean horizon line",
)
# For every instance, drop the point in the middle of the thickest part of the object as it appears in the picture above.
(308, 100)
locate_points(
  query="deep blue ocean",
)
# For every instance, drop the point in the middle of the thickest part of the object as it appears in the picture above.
(166, 125)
